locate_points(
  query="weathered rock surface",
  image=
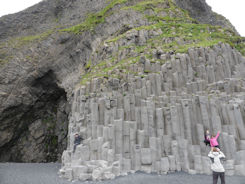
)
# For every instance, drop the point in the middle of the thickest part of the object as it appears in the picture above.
(131, 122)
(154, 121)
(200, 11)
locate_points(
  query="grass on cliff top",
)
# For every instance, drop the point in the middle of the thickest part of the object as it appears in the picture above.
(184, 32)
(93, 20)
(178, 24)
(192, 35)
(157, 6)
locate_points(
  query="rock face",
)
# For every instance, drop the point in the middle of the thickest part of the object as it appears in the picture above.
(200, 11)
(123, 82)
(35, 123)
(38, 70)
(156, 123)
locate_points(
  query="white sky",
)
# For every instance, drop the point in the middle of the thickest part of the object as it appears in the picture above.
(13, 6)
(234, 10)
(231, 9)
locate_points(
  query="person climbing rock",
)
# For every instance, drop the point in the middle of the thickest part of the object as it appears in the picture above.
(218, 170)
(77, 141)
(213, 141)
(207, 138)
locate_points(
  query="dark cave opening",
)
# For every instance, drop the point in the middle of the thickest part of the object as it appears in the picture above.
(39, 127)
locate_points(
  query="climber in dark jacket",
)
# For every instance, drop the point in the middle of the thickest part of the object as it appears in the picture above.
(77, 141)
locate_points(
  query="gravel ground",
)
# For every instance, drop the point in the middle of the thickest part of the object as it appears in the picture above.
(17, 173)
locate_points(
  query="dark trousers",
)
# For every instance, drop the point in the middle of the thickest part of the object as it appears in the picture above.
(74, 147)
(216, 175)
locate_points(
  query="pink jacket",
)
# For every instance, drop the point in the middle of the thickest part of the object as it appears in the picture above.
(213, 141)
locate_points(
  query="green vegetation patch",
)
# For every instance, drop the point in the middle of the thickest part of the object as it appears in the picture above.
(240, 45)
(177, 33)
(146, 5)
(93, 20)
(88, 65)
(182, 36)
(24, 40)
(101, 70)
(4, 56)
(3, 61)
(174, 13)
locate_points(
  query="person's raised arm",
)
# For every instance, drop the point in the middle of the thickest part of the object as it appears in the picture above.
(221, 154)
(217, 135)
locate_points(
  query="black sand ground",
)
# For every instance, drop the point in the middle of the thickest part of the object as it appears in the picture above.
(16, 173)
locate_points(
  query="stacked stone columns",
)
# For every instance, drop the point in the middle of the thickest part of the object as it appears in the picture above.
(157, 123)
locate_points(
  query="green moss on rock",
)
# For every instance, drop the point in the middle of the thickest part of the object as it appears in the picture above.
(181, 31)
(24, 40)
(101, 70)
(93, 20)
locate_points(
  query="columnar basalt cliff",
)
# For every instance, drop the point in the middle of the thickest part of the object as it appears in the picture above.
(140, 81)
(155, 122)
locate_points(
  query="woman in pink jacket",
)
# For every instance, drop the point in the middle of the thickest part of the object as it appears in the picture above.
(213, 141)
